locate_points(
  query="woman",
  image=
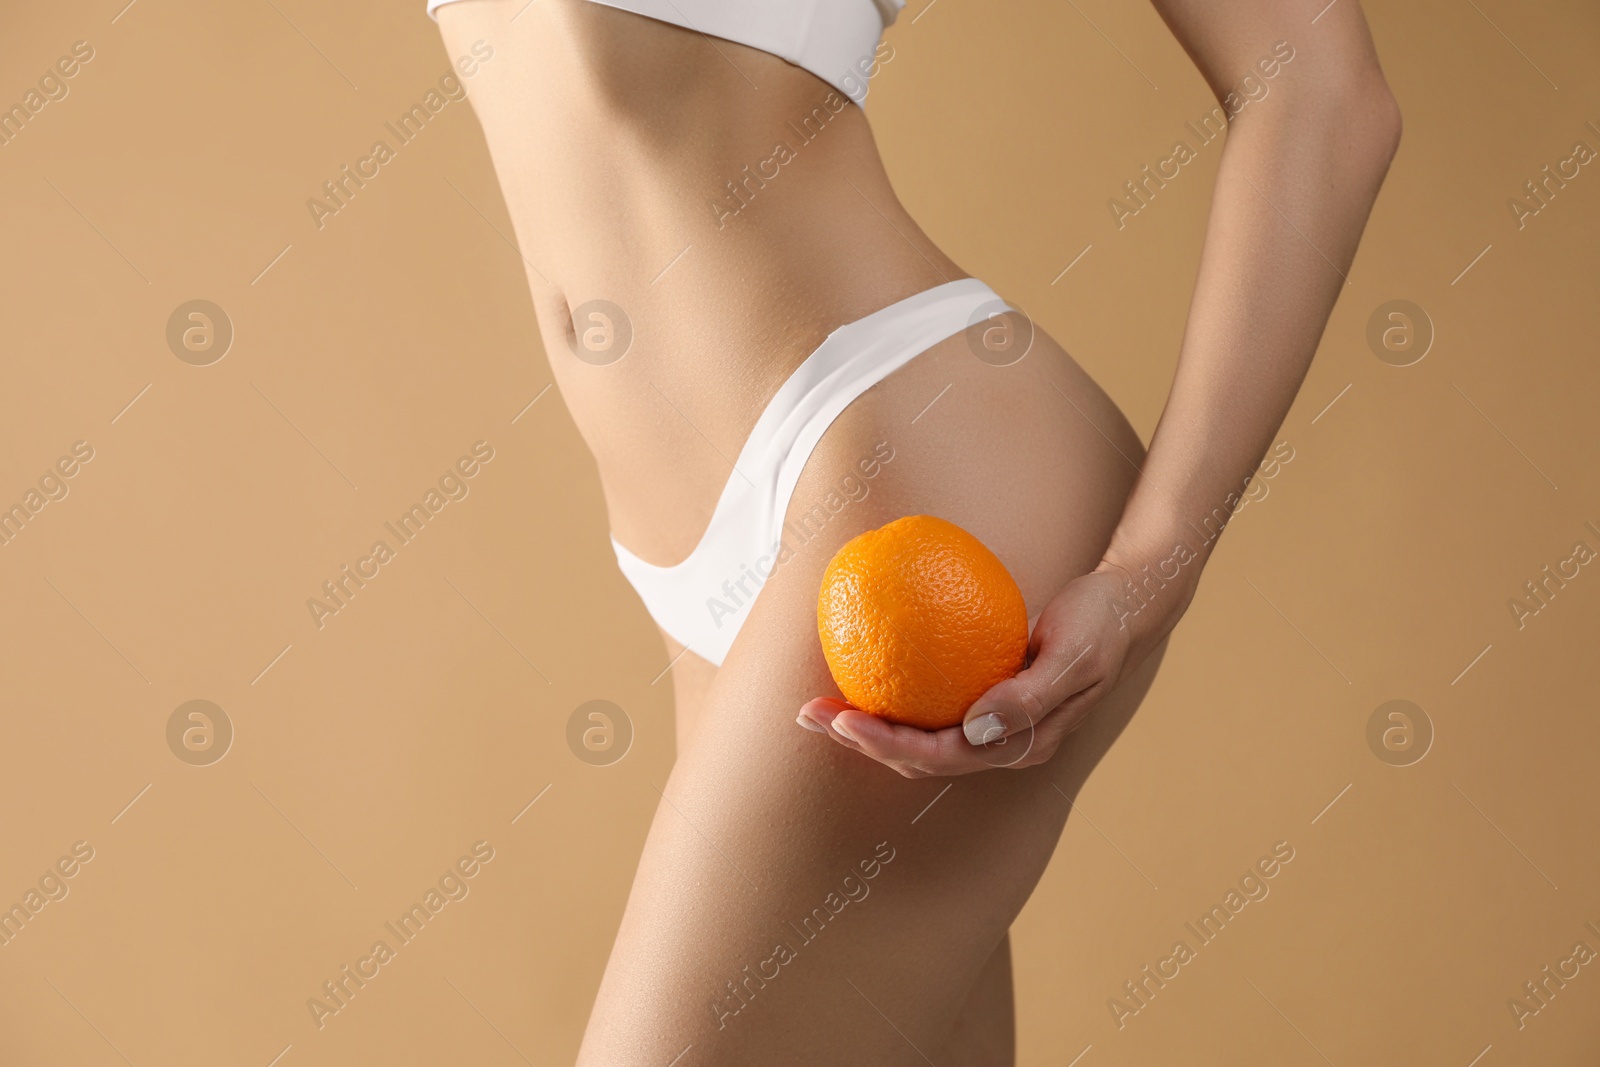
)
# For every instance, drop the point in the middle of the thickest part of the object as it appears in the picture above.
(744, 332)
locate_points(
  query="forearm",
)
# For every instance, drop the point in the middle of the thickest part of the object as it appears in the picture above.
(1295, 185)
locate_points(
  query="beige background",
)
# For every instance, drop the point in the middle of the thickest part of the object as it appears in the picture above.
(370, 754)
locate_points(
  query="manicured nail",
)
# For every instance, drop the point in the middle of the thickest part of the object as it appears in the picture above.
(842, 732)
(984, 729)
(811, 724)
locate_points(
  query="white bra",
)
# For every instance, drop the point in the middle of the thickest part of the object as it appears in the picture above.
(833, 39)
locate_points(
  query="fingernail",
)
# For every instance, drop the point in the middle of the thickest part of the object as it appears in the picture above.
(811, 724)
(984, 729)
(842, 732)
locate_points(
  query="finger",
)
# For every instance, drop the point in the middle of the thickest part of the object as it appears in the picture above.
(1052, 731)
(941, 752)
(1075, 711)
(1060, 670)
(815, 713)
(822, 712)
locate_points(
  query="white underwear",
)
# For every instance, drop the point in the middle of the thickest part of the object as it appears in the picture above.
(703, 601)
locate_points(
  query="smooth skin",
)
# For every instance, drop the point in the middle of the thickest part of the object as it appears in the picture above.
(613, 136)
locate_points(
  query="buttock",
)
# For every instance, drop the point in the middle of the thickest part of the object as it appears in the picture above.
(996, 429)
(948, 403)
(1030, 456)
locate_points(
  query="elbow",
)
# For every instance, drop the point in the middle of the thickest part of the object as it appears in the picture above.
(1357, 115)
(1379, 115)
(1366, 117)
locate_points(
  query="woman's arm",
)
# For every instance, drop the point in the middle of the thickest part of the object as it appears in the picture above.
(1299, 172)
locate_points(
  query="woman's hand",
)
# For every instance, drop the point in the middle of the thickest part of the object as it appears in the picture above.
(1091, 636)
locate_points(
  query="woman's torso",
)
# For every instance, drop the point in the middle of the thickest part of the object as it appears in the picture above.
(730, 204)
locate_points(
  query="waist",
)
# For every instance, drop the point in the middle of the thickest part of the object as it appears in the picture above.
(648, 166)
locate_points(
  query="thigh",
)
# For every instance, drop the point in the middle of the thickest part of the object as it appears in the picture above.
(984, 1032)
(797, 903)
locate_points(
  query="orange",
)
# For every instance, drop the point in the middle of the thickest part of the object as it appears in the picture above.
(918, 619)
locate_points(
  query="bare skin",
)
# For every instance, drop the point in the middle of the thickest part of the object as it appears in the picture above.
(614, 137)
